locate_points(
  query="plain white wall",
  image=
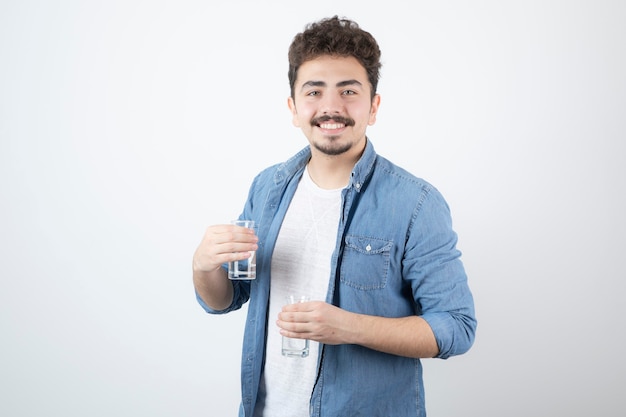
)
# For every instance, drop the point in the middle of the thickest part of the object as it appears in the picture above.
(127, 127)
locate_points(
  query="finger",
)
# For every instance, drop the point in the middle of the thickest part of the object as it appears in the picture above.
(220, 246)
(225, 239)
(229, 233)
(242, 229)
(243, 232)
(303, 307)
(292, 328)
(294, 317)
(229, 248)
(293, 335)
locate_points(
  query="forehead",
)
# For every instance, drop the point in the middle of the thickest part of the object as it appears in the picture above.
(331, 69)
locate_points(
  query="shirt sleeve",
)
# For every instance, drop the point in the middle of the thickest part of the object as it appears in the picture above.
(241, 295)
(438, 278)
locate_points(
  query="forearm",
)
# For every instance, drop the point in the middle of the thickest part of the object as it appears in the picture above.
(214, 288)
(405, 336)
(408, 336)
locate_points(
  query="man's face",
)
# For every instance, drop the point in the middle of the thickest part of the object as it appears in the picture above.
(332, 104)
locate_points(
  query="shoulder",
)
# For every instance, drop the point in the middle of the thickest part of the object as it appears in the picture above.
(280, 173)
(387, 171)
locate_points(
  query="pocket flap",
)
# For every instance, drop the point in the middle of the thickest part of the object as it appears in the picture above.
(368, 245)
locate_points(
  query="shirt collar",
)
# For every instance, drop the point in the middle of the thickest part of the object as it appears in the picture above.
(363, 168)
(361, 171)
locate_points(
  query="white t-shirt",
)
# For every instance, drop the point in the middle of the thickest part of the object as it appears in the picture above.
(300, 266)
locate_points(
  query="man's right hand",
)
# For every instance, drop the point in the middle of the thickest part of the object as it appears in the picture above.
(220, 244)
(223, 243)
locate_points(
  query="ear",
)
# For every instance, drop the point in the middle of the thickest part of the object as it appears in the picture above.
(374, 109)
(294, 112)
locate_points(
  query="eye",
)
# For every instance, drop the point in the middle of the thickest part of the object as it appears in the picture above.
(348, 92)
(313, 93)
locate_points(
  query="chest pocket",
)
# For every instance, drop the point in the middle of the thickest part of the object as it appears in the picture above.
(365, 264)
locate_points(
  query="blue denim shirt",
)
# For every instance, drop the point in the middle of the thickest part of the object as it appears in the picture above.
(395, 256)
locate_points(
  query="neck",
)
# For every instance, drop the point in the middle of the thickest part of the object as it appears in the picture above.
(330, 172)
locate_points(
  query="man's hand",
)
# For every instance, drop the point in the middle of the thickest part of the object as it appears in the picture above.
(322, 322)
(223, 243)
(220, 244)
(315, 320)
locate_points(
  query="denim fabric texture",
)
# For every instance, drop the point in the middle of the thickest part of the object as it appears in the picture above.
(395, 256)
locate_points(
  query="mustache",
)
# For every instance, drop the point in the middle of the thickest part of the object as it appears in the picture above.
(338, 119)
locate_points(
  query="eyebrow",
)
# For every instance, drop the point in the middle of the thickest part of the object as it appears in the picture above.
(323, 84)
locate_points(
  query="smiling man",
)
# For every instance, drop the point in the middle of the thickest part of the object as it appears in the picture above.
(369, 242)
(332, 103)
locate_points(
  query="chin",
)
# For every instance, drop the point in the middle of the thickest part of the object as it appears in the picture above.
(333, 150)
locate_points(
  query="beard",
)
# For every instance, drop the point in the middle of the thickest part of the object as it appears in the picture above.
(332, 145)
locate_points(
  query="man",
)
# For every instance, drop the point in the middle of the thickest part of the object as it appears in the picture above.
(370, 243)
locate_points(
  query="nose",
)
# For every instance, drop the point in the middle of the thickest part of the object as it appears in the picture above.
(332, 104)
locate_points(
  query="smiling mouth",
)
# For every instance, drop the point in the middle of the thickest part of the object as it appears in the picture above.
(332, 123)
(332, 126)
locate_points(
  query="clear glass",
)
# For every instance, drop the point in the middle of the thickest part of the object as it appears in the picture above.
(244, 269)
(295, 348)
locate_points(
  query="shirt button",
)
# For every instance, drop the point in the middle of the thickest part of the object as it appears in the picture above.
(357, 185)
(368, 248)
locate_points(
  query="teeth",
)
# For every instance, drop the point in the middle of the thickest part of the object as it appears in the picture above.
(331, 126)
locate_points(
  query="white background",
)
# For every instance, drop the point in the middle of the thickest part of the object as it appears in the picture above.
(127, 127)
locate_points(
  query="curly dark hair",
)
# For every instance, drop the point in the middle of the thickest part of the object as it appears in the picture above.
(338, 37)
